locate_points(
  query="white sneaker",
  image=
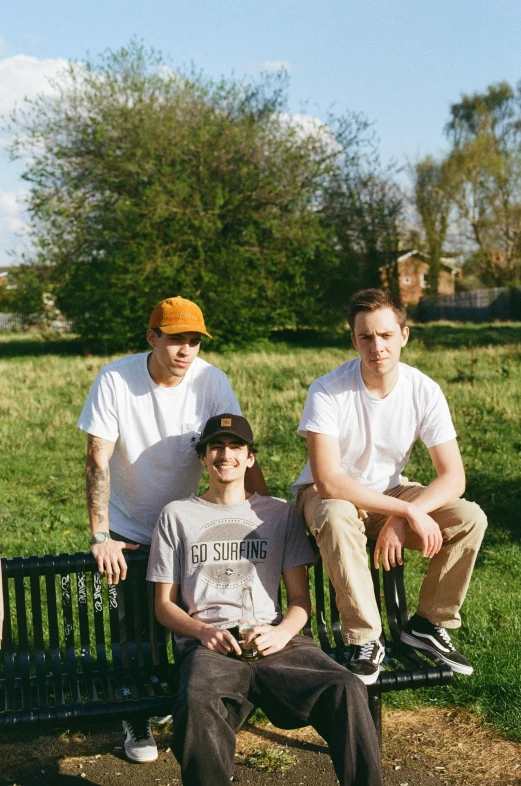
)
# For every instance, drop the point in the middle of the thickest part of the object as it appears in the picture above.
(139, 743)
(161, 720)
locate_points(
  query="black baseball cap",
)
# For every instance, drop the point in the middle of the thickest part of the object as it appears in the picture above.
(226, 423)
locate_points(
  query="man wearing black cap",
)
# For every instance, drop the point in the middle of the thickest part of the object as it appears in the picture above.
(217, 562)
(143, 415)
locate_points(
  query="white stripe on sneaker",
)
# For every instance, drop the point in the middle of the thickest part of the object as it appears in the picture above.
(459, 668)
(436, 642)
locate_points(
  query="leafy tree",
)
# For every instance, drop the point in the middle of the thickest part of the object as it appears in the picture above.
(146, 183)
(366, 208)
(25, 294)
(433, 195)
(485, 167)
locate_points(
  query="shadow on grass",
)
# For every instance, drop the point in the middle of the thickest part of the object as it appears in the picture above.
(308, 338)
(25, 345)
(431, 335)
(501, 501)
(453, 336)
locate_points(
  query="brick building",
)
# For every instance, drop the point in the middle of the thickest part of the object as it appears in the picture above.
(413, 273)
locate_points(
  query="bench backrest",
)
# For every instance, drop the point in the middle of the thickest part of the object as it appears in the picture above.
(61, 618)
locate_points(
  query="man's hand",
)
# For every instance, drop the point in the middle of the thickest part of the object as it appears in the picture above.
(389, 545)
(110, 559)
(269, 638)
(427, 529)
(219, 640)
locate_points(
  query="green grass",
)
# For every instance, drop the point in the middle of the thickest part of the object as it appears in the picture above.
(270, 759)
(43, 386)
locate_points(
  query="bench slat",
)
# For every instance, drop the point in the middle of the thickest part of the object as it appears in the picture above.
(54, 636)
(23, 640)
(84, 630)
(321, 609)
(7, 647)
(68, 635)
(99, 632)
(39, 646)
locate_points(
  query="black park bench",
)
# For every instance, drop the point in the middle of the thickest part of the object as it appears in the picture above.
(75, 648)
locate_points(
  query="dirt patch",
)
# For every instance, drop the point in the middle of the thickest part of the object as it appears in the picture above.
(426, 747)
(454, 745)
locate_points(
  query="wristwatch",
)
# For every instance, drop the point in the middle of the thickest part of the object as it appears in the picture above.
(100, 537)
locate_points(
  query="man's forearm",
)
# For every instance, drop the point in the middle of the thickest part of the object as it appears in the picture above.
(97, 477)
(174, 618)
(296, 616)
(442, 490)
(98, 494)
(341, 486)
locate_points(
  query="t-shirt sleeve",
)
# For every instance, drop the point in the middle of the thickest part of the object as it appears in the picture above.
(225, 399)
(320, 413)
(436, 427)
(99, 415)
(164, 564)
(297, 550)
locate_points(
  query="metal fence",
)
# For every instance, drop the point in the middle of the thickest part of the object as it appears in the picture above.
(478, 305)
(10, 323)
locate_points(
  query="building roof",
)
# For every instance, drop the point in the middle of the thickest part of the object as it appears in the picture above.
(447, 262)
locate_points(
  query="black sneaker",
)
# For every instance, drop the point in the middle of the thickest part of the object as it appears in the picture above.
(365, 661)
(423, 635)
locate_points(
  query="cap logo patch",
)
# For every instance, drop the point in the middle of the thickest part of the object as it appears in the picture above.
(226, 422)
(182, 315)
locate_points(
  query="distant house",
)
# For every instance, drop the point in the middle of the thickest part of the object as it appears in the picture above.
(3, 278)
(413, 276)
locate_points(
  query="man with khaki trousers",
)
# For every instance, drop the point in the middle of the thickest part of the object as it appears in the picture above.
(361, 421)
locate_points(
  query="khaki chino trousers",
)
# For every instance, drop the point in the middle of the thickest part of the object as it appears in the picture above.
(341, 532)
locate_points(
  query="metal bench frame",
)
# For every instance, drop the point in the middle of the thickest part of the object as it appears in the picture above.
(75, 648)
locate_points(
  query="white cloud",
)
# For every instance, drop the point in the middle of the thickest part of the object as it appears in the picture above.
(309, 126)
(20, 76)
(25, 76)
(10, 202)
(13, 224)
(271, 66)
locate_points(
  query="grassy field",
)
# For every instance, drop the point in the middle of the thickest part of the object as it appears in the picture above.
(43, 385)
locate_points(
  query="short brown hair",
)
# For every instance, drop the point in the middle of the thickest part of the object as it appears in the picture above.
(373, 300)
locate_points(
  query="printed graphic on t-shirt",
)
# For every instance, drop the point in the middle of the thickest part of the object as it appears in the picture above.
(227, 553)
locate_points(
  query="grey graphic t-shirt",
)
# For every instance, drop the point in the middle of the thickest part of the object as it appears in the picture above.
(213, 551)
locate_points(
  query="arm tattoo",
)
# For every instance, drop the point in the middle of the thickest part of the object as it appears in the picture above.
(95, 444)
(98, 491)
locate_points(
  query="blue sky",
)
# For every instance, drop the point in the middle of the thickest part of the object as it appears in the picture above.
(401, 63)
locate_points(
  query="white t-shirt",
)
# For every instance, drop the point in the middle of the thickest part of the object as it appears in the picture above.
(376, 435)
(212, 551)
(155, 429)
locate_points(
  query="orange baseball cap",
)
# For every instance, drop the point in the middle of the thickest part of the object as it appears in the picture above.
(177, 315)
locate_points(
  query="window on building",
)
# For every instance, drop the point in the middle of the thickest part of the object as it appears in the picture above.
(423, 280)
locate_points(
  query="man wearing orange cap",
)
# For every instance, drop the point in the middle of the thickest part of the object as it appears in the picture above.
(143, 416)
